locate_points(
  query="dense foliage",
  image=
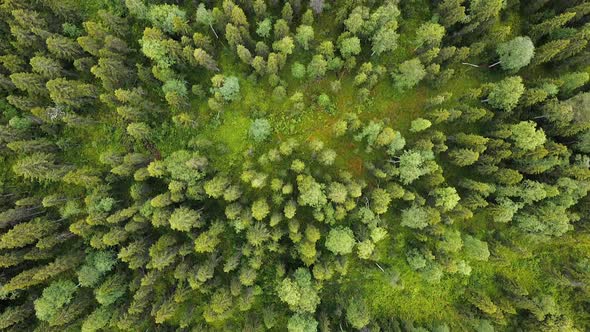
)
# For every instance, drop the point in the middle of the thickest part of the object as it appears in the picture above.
(397, 165)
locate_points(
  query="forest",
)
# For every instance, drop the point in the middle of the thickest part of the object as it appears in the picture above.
(295, 165)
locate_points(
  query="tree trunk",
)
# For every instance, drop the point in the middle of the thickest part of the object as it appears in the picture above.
(216, 36)
(494, 64)
(469, 64)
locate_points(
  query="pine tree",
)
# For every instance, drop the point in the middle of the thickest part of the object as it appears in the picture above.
(205, 60)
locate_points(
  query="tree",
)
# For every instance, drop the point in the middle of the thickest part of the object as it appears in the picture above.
(475, 249)
(420, 125)
(304, 35)
(317, 67)
(302, 323)
(287, 12)
(260, 130)
(525, 135)
(63, 47)
(380, 200)
(139, 130)
(452, 12)
(230, 90)
(357, 313)
(415, 217)
(14, 314)
(113, 288)
(238, 17)
(164, 16)
(137, 8)
(429, 35)
(446, 198)
(516, 53)
(337, 192)
(244, 54)
(175, 92)
(317, 6)
(549, 50)
(408, 74)
(340, 240)
(350, 46)
(259, 7)
(98, 319)
(281, 29)
(205, 60)
(354, 22)
(39, 166)
(483, 10)
(285, 45)
(506, 93)
(298, 292)
(184, 219)
(260, 209)
(310, 192)
(298, 70)
(463, 157)
(47, 67)
(26, 233)
(384, 40)
(550, 25)
(205, 17)
(55, 296)
(29, 82)
(70, 92)
(233, 35)
(96, 265)
(572, 81)
(264, 27)
(209, 240)
(412, 165)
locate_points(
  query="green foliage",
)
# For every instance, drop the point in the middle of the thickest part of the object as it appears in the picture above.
(58, 294)
(166, 17)
(412, 165)
(304, 36)
(302, 323)
(113, 288)
(506, 93)
(298, 292)
(311, 193)
(526, 136)
(264, 27)
(429, 34)
(96, 265)
(298, 70)
(409, 74)
(183, 219)
(447, 198)
(350, 46)
(420, 125)
(475, 249)
(230, 90)
(357, 313)
(340, 240)
(260, 130)
(516, 53)
(144, 188)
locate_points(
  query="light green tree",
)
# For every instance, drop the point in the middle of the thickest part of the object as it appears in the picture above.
(409, 74)
(516, 53)
(305, 34)
(184, 219)
(340, 240)
(506, 93)
(54, 297)
(260, 209)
